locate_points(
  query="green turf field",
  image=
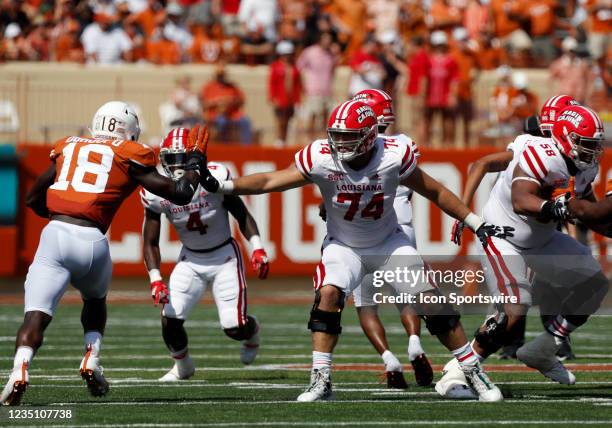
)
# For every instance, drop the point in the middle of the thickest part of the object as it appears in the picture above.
(224, 393)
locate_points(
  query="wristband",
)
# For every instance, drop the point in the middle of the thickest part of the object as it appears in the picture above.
(473, 221)
(155, 275)
(256, 243)
(226, 187)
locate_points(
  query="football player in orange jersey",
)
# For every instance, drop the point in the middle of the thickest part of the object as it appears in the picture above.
(80, 192)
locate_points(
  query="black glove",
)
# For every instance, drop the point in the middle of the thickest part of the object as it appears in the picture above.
(196, 161)
(487, 230)
(557, 209)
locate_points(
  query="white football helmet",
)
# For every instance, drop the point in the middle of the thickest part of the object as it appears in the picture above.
(116, 120)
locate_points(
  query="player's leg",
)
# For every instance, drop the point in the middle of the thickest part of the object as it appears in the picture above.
(564, 262)
(45, 283)
(440, 317)
(338, 273)
(229, 290)
(91, 269)
(185, 288)
(367, 311)
(423, 372)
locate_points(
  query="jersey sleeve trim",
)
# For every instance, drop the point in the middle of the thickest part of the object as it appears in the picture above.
(533, 180)
(407, 160)
(538, 171)
(304, 160)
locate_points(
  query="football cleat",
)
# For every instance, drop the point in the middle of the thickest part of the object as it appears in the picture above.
(478, 380)
(396, 380)
(423, 374)
(565, 352)
(540, 354)
(453, 383)
(93, 374)
(16, 386)
(320, 388)
(183, 369)
(249, 347)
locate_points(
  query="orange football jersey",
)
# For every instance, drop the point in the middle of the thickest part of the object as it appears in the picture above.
(92, 178)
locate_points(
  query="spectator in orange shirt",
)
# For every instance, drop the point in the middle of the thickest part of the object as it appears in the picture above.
(134, 33)
(466, 62)
(541, 15)
(349, 17)
(476, 18)
(161, 50)
(507, 16)
(600, 28)
(284, 88)
(501, 106)
(68, 47)
(205, 48)
(490, 54)
(222, 103)
(444, 16)
(150, 17)
(412, 20)
(524, 102)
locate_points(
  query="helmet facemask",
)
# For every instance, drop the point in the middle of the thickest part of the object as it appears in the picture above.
(585, 152)
(347, 144)
(173, 161)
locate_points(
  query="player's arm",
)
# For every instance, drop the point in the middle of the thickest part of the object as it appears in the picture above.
(428, 187)
(526, 199)
(179, 192)
(596, 215)
(36, 198)
(152, 256)
(495, 162)
(255, 184)
(248, 227)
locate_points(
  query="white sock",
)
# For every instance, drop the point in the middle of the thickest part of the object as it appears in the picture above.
(392, 364)
(321, 360)
(466, 355)
(478, 356)
(93, 338)
(414, 347)
(23, 354)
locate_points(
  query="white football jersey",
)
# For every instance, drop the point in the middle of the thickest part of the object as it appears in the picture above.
(403, 196)
(359, 204)
(541, 160)
(202, 224)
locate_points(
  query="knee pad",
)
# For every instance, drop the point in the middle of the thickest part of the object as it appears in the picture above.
(325, 322)
(494, 333)
(242, 333)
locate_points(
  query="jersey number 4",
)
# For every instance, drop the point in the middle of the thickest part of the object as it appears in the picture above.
(373, 209)
(194, 223)
(93, 164)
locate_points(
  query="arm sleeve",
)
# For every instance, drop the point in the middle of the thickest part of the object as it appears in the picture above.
(304, 161)
(150, 201)
(408, 161)
(542, 163)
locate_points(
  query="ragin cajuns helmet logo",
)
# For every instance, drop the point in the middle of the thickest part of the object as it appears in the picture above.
(364, 112)
(573, 117)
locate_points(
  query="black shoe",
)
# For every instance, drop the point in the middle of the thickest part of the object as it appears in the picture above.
(396, 380)
(423, 374)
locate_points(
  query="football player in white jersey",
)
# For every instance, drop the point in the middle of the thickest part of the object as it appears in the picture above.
(209, 256)
(363, 295)
(520, 197)
(358, 174)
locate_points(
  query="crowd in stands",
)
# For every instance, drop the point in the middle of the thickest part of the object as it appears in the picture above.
(439, 45)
